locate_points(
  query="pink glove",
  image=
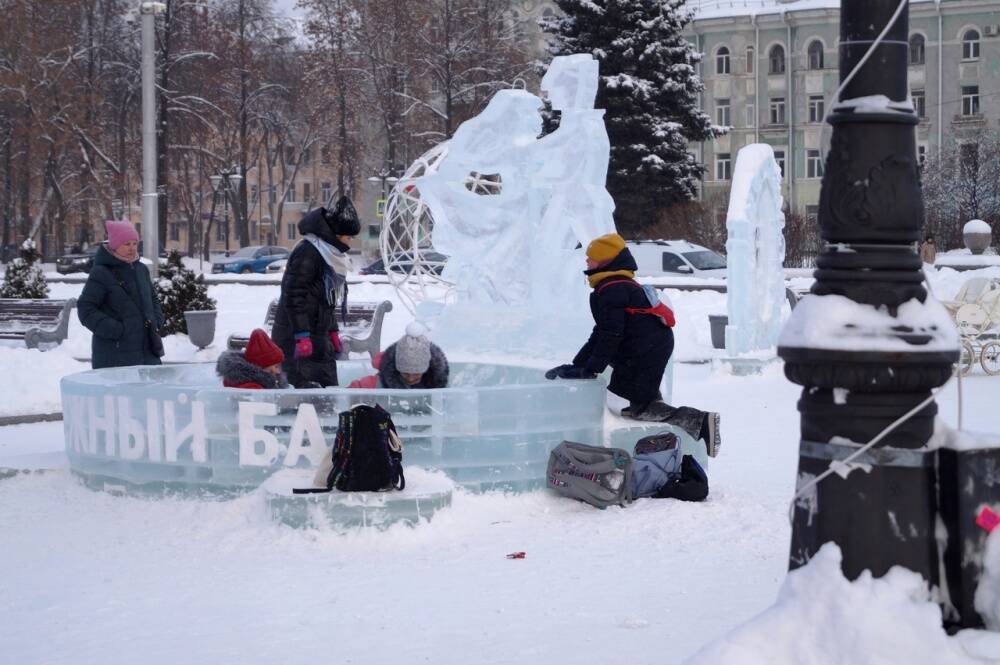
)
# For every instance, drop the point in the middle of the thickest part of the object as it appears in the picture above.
(303, 347)
(338, 346)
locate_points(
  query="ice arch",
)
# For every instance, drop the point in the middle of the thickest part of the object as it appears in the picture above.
(755, 282)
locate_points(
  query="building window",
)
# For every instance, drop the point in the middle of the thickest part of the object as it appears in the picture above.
(290, 231)
(324, 154)
(777, 115)
(220, 230)
(751, 115)
(970, 45)
(814, 164)
(175, 232)
(776, 60)
(919, 103)
(751, 56)
(307, 191)
(779, 156)
(816, 108)
(272, 195)
(324, 193)
(723, 166)
(307, 155)
(290, 197)
(722, 60)
(970, 100)
(816, 55)
(917, 50)
(812, 214)
(722, 112)
(253, 193)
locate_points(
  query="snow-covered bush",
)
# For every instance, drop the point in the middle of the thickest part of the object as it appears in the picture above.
(24, 278)
(179, 291)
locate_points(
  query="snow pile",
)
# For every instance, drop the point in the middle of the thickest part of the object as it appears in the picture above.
(820, 618)
(836, 322)
(976, 226)
(31, 378)
(988, 591)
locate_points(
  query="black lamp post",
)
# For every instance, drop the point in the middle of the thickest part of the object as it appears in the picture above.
(221, 182)
(871, 214)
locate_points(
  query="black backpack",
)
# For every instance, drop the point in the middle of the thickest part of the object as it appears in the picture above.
(367, 453)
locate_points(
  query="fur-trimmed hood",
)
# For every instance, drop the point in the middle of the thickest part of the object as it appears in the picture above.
(436, 375)
(238, 372)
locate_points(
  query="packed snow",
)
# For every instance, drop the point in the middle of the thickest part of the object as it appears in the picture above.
(820, 617)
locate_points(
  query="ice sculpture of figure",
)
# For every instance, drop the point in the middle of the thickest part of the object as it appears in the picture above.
(755, 250)
(509, 208)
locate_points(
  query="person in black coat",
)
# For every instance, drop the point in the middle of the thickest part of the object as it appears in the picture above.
(313, 288)
(119, 305)
(634, 337)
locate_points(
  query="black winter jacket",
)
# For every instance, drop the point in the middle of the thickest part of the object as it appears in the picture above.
(303, 307)
(619, 336)
(116, 301)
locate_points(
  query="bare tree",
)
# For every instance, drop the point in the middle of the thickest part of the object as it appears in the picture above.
(963, 184)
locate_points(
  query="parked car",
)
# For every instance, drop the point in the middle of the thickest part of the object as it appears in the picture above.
(255, 258)
(657, 258)
(403, 262)
(77, 261)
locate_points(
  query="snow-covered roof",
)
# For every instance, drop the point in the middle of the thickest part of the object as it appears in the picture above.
(679, 245)
(706, 9)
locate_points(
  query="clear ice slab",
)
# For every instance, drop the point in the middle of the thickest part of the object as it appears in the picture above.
(175, 428)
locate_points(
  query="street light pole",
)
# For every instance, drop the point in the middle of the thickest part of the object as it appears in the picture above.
(867, 345)
(150, 222)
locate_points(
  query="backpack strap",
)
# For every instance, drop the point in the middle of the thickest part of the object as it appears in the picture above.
(664, 313)
(605, 285)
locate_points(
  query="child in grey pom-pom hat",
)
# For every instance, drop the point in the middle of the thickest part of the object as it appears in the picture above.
(412, 362)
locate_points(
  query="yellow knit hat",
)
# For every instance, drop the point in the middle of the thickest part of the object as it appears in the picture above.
(605, 248)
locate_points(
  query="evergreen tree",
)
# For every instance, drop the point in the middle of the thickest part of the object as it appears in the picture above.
(649, 88)
(23, 277)
(179, 291)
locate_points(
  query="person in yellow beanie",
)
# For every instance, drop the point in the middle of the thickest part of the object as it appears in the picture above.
(632, 333)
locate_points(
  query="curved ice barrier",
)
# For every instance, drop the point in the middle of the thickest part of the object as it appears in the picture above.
(175, 427)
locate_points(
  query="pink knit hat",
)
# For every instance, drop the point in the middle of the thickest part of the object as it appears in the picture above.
(120, 233)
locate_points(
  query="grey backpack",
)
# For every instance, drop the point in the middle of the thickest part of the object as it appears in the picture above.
(599, 476)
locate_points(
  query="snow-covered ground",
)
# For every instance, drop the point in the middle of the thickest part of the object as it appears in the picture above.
(87, 577)
(90, 577)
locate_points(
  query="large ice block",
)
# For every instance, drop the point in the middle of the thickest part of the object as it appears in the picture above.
(755, 252)
(512, 212)
(175, 426)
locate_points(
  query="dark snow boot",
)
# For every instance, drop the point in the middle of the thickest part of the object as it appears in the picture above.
(710, 433)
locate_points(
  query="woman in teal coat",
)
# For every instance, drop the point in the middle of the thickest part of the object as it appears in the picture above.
(119, 305)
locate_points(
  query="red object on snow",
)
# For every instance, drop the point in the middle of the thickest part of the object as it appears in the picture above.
(516, 555)
(988, 519)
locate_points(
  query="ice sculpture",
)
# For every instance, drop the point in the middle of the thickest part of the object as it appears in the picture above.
(755, 251)
(508, 209)
(176, 427)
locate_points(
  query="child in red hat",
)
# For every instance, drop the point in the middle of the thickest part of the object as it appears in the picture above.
(258, 367)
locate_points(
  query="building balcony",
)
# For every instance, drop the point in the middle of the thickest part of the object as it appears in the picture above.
(974, 120)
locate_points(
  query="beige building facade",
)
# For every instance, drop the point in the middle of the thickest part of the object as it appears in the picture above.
(771, 69)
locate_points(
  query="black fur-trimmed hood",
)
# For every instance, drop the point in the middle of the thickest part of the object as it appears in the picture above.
(436, 375)
(236, 370)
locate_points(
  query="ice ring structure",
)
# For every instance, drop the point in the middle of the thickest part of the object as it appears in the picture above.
(174, 427)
